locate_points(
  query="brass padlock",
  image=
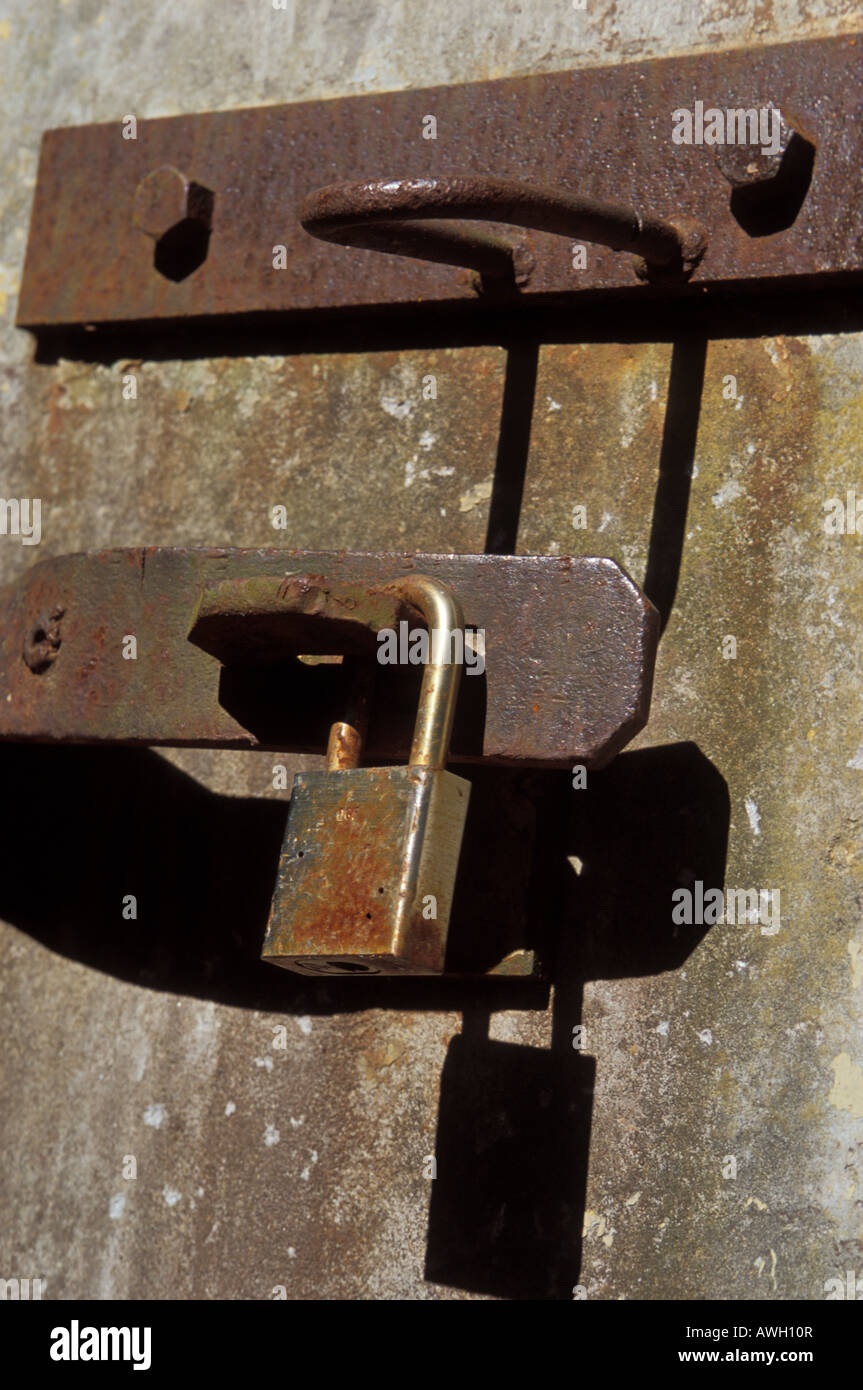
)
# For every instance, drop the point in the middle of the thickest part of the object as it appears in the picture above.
(369, 858)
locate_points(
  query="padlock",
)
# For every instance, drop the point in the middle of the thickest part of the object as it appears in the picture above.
(370, 855)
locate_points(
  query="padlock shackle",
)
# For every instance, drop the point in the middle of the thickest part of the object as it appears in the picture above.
(347, 736)
(443, 614)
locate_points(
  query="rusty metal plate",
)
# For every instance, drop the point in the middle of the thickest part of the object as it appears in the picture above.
(569, 653)
(603, 132)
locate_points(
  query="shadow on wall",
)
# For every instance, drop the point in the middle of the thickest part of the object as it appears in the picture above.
(514, 1122)
(202, 868)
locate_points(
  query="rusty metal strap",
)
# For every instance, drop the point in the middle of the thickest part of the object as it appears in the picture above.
(199, 216)
(569, 652)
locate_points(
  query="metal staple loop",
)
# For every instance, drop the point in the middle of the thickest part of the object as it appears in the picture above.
(433, 219)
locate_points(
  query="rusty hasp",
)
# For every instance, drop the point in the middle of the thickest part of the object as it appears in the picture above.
(569, 647)
(586, 155)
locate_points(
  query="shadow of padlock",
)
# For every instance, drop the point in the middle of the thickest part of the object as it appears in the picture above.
(370, 855)
(510, 1167)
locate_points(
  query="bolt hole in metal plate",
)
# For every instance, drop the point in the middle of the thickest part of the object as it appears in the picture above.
(602, 132)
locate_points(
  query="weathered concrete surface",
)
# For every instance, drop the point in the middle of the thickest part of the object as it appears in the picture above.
(302, 1166)
(750, 1050)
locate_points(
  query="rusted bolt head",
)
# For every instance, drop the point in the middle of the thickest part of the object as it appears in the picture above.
(747, 165)
(166, 198)
(42, 642)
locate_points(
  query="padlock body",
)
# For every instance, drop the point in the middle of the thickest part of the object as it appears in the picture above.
(367, 872)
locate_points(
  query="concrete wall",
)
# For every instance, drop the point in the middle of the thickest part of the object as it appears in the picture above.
(304, 1166)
